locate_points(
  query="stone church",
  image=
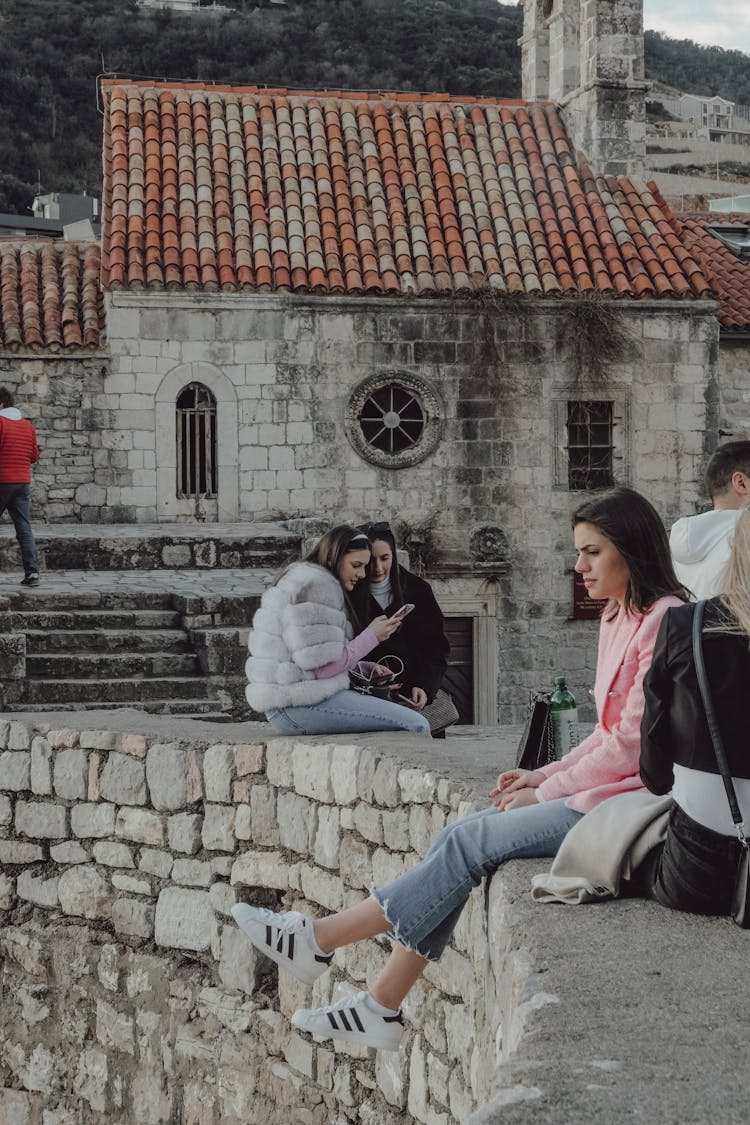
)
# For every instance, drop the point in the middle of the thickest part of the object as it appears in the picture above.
(461, 315)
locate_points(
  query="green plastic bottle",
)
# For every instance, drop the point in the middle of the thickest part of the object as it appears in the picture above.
(564, 715)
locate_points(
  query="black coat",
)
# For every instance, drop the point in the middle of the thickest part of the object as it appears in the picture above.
(674, 729)
(421, 641)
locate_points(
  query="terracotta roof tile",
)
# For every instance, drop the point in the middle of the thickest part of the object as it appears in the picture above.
(249, 189)
(729, 274)
(50, 298)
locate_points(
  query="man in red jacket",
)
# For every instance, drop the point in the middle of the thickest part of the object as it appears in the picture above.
(18, 452)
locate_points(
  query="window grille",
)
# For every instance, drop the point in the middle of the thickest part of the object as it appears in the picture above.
(590, 445)
(196, 443)
(392, 419)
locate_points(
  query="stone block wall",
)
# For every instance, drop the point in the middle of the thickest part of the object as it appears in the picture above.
(493, 493)
(77, 464)
(734, 384)
(129, 996)
(283, 371)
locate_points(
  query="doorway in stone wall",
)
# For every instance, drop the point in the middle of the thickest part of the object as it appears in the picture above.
(459, 676)
(197, 460)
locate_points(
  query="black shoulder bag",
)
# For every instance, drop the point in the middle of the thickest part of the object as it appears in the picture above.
(537, 745)
(741, 898)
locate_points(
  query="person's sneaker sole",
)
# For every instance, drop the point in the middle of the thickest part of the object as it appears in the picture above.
(277, 945)
(30, 580)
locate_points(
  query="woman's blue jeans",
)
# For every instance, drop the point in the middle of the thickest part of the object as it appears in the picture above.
(347, 712)
(16, 499)
(424, 905)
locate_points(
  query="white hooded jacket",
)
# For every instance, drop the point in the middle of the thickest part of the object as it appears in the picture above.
(700, 549)
(301, 625)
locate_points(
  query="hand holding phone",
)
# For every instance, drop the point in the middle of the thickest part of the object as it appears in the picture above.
(402, 612)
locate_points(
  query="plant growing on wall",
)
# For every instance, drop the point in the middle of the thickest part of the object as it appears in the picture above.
(420, 540)
(597, 336)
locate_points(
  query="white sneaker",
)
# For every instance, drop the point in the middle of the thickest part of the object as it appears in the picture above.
(284, 938)
(352, 1020)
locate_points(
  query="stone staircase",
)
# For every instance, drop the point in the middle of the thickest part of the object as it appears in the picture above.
(130, 651)
(153, 618)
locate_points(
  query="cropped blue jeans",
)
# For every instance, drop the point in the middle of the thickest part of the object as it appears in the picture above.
(347, 712)
(15, 498)
(424, 904)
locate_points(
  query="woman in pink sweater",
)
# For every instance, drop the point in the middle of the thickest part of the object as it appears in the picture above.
(624, 559)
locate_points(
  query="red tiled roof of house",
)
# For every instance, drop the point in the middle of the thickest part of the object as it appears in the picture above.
(50, 296)
(259, 190)
(730, 275)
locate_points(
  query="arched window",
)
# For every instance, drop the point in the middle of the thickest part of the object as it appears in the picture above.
(196, 443)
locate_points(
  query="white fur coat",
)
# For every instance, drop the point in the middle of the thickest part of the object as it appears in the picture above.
(301, 625)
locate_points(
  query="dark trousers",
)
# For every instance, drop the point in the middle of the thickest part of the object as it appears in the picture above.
(694, 870)
(15, 499)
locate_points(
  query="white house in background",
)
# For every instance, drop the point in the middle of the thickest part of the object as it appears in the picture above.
(714, 118)
(173, 5)
(183, 5)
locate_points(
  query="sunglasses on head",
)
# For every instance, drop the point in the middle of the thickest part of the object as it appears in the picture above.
(372, 530)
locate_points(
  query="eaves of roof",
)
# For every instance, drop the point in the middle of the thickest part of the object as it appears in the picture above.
(50, 296)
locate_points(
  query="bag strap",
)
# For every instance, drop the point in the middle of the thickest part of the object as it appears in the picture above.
(713, 726)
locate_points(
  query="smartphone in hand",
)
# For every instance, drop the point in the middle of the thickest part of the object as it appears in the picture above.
(402, 611)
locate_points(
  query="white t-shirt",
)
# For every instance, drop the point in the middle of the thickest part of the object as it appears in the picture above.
(703, 797)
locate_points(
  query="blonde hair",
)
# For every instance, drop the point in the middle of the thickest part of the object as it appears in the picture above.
(734, 591)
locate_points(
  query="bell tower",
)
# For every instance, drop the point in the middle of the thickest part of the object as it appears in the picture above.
(586, 56)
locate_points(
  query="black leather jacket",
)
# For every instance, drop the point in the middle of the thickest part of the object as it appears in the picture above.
(674, 728)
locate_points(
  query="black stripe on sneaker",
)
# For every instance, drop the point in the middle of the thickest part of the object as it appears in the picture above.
(345, 1021)
(268, 935)
(398, 1018)
(332, 1021)
(280, 942)
(290, 951)
(357, 1020)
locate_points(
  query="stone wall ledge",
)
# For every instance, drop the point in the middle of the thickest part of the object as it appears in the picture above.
(128, 995)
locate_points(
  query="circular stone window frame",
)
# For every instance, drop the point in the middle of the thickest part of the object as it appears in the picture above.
(433, 420)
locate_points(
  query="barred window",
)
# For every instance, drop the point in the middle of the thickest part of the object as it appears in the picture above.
(196, 443)
(590, 445)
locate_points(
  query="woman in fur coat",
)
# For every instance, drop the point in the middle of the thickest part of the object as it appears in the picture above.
(302, 646)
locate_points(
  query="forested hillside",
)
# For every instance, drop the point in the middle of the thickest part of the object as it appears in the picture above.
(52, 53)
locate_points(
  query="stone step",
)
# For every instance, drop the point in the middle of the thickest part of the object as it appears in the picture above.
(93, 692)
(40, 599)
(127, 640)
(174, 546)
(86, 620)
(205, 708)
(115, 666)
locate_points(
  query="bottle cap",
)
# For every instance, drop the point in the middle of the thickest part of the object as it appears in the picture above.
(560, 681)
